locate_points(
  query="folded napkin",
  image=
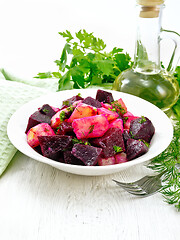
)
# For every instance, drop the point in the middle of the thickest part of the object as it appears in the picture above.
(14, 92)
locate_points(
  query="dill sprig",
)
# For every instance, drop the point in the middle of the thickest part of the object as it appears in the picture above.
(169, 160)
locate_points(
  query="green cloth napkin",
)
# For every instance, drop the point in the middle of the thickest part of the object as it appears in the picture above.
(14, 92)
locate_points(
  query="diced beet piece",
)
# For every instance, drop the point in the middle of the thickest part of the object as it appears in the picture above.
(69, 158)
(55, 109)
(113, 137)
(37, 118)
(135, 148)
(52, 146)
(38, 149)
(65, 128)
(61, 158)
(68, 102)
(63, 107)
(142, 128)
(87, 154)
(93, 102)
(104, 96)
(126, 136)
(47, 110)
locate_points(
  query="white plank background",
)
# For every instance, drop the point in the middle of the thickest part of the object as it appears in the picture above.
(38, 202)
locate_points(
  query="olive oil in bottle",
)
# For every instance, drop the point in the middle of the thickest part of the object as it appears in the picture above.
(147, 79)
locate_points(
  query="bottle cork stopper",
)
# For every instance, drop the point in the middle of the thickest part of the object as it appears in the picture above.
(150, 3)
(150, 8)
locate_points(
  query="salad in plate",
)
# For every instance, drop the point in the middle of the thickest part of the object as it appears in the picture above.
(89, 131)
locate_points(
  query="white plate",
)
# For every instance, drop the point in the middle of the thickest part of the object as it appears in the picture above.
(139, 107)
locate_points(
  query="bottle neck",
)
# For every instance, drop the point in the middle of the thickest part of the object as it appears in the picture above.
(147, 49)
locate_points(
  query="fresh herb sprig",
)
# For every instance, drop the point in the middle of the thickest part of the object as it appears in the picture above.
(85, 62)
(117, 149)
(168, 161)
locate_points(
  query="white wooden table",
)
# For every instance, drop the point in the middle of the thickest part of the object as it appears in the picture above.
(38, 202)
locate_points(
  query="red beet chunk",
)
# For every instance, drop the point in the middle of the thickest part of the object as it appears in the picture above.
(37, 118)
(93, 102)
(87, 154)
(47, 110)
(38, 149)
(142, 128)
(126, 136)
(69, 158)
(68, 102)
(135, 148)
(113, 137)
(53, 146)
(65, 128)
(104, 96)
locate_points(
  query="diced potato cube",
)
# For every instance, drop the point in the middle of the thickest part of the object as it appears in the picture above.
(90, 127)
(56, 120)
(82, 110)
(108, 113)
(120, 158)
(42, 129)
(128, 117)
(106, 161)
(117, 123)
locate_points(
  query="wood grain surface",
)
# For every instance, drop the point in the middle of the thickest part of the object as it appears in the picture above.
(40, 202)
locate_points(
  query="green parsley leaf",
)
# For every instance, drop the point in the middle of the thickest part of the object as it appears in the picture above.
(91, 128)
(62, 116)
(122, 61)
(117, 149)
(66, 35)
(70, 108)
(142, 120)
(44, 75)
(146, 143)
(65, 82)
(45, 110)
(85, 142)
(63, 60)
(105, 66)
(118, 107)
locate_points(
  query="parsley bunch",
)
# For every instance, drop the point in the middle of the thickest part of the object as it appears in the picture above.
(84, 62)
